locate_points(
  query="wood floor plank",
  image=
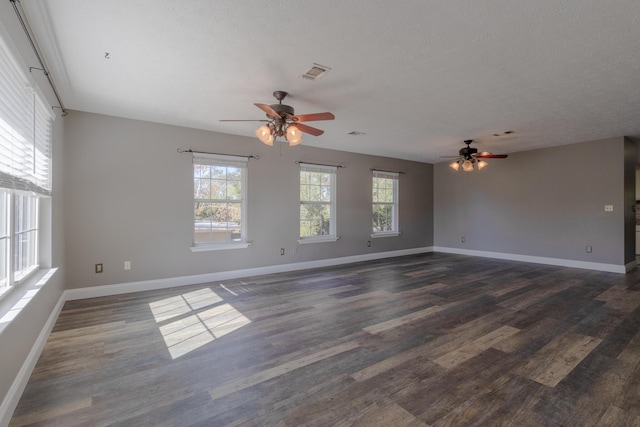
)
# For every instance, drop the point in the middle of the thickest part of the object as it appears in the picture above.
(475, 347)
(387, 415)
(620, 298)
(555, 360)
(411, 317)
(43, 414)
(279, 370)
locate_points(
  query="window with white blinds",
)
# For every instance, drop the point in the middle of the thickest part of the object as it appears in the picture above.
(25, 130)
(26, 122)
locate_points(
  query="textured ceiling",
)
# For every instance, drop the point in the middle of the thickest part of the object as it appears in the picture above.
(417, 76)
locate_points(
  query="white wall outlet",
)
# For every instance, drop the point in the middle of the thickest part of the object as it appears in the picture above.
(281, 251)
(608, 208)
(463, 240)
(98, 268)
(127, 265)
(589, 249)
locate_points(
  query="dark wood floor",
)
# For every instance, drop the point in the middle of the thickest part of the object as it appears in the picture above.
(435, 339)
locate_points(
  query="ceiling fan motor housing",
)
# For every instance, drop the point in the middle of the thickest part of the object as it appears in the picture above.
(467, 152)
(285, 111)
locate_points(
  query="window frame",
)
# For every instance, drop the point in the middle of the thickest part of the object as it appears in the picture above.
(220, 160)
(332, 172)
(395, 209)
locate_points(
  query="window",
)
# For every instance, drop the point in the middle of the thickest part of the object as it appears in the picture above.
(219, 196)
(25, 235)
(25, 168)
(385, 204)
(317, 203)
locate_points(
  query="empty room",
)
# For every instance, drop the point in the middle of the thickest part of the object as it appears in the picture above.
(295, 213)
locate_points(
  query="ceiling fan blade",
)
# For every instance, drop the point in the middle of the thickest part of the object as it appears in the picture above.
(245, 120)
(450, 157)
(313, 117)
(308, 129)
(270, 111)
(490, 156)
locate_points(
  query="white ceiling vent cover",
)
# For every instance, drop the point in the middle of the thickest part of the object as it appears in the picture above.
(315, 72)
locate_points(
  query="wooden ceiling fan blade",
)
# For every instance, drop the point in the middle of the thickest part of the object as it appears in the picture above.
(267, 109)
(308, 129)
(313, 117)
(491, 156)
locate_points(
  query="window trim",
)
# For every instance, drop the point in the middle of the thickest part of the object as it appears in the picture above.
(395, 177)
(222, 160)
(332, 171)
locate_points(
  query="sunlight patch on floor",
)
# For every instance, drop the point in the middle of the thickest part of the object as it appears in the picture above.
(197, 325)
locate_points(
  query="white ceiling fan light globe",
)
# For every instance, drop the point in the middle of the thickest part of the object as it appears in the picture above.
(482, 164)
(467, 166)
(265, 135)
(294, 135)
(455, 165)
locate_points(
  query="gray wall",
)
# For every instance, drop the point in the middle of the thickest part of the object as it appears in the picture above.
(17, 338)
(546, 203)
(128, 197)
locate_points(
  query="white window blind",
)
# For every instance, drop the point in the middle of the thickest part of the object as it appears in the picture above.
(308, 167)
(385, 174)
(25, 130)
(220, 160)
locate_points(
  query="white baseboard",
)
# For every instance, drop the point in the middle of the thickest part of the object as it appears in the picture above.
(149, 285)
(12, 397)
(611, 268)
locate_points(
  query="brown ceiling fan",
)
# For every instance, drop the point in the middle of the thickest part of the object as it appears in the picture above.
(469, 159)
(282, 121)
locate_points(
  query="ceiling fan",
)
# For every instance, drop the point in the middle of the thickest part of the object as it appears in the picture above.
(468, 158)
(282, 121)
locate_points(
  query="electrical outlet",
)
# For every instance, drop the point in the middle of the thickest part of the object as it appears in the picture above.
(608, 208)
(463, 240)
(368, 243)
(589, 249)
(98, 268)
(281, 251)
(127, 265)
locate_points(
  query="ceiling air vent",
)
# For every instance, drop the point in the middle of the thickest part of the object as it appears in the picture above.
(315, 72)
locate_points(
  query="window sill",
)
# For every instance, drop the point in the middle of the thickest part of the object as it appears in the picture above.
(385, 234)
(321, 239)
(17, 297)
(219, 246)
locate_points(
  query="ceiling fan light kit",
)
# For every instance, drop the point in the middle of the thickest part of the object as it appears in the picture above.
(469, 159)
(283, 122)
(264, 135)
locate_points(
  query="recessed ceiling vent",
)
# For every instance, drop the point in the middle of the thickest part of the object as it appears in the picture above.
(315, 72)
(356, 133)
